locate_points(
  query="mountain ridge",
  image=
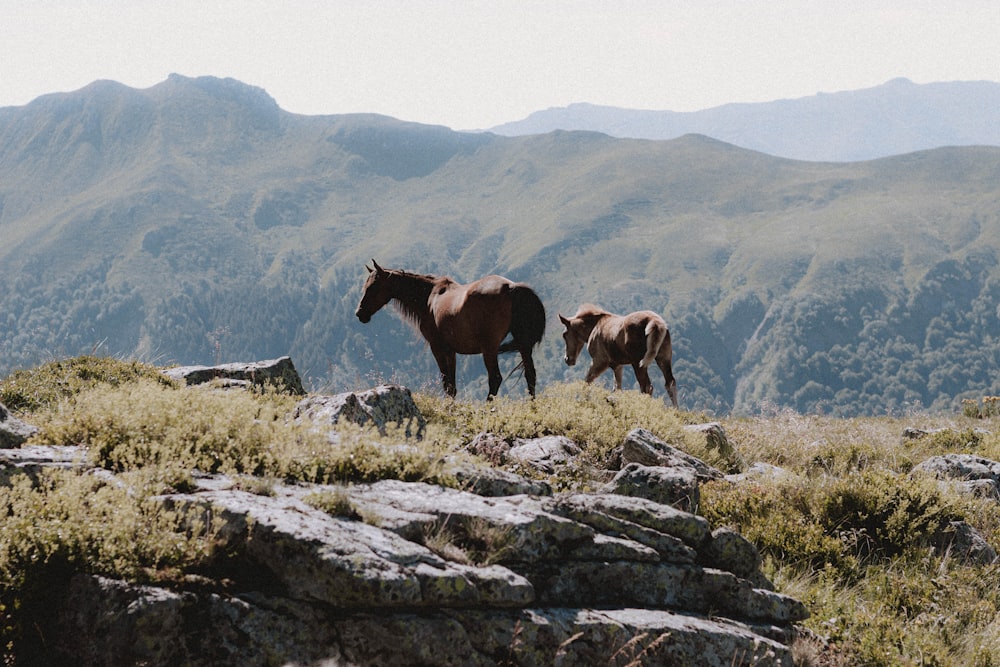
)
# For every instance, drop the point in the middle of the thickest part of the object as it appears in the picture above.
(894, 118)
(212, 224)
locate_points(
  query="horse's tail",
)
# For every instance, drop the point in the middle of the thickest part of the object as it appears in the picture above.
(527, 319)
(656, 332)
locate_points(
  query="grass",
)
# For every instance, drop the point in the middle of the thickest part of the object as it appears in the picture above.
(848, 530)
(31, 389)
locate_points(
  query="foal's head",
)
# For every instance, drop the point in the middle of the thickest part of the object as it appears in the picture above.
(578, 330)
(575, 337)
(376, 293)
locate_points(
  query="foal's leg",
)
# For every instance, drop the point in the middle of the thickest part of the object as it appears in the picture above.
(668, 378)
(617, 370)
(596, 368)
(493, 371)
(642, 376)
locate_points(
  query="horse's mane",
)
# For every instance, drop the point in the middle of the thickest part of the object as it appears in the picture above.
(412, 293)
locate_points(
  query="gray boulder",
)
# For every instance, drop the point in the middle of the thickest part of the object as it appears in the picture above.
(715, 437)
(487, 481)
(548, 454)
(966, 544)
(677, 486)
(437, 576)
(975, 474)
(643, 447)
(279, 373)
(13, 431)
(380, 406)
(402, 573)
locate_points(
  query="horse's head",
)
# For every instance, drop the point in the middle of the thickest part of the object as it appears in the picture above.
(376, 293)
(575, 336)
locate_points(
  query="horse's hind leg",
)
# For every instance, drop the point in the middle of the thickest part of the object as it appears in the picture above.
(529, 369)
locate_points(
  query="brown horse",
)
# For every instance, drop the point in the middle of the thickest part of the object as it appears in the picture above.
(615, 340)
(461, 319)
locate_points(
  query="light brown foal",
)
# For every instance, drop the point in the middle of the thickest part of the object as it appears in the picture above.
(637, 339)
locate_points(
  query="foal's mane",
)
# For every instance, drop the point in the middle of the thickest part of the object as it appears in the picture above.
(590, 310)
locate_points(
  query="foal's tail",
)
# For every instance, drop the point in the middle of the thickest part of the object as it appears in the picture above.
(527, 320)
(655, 335)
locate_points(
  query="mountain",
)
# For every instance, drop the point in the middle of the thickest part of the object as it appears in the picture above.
(892, 119)
(196, 222)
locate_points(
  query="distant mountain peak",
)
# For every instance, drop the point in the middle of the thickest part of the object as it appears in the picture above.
(219, 88)
(894, 118)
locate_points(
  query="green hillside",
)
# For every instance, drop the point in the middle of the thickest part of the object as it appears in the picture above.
(195, 221)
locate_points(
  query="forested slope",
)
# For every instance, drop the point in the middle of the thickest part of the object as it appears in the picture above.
(196, 221)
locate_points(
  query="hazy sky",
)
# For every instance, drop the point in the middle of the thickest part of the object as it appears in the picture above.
(470, 64)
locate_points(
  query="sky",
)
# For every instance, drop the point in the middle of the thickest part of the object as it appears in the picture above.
(471, 64)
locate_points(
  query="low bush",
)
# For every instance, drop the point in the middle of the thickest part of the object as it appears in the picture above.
(595, 419)
(146, 424)
(44, 386)
(63, 522)
(838, 524)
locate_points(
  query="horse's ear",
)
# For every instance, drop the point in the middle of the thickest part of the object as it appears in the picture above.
(564, 321)
(368, 268)
(378, 268)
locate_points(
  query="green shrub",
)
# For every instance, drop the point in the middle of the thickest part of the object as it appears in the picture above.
(63, 522)
(32, 389)
(833, 522)
(595, 419)
(145, 424)
(335, 502)
(778, 518)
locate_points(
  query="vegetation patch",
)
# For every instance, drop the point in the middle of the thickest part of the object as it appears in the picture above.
(988, 406)
(846, 528)
(596, 419)
(32, 389)
(470, 540)
(147, 424)
(62, 522)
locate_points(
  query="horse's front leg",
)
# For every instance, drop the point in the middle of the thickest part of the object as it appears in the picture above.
(446, 364)
(493, 371)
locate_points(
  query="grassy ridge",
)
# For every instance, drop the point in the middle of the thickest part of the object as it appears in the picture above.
(847, 529)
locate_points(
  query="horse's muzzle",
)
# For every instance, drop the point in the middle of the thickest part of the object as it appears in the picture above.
(569, 362)
(364, 317)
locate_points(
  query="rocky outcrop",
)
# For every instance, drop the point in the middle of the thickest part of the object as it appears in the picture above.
(411, 573)
(13, 431)
(279, 373)
(501, 571)
(384, 405)
(974, 474)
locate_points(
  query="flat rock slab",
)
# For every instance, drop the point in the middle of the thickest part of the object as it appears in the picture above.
(279, 373)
